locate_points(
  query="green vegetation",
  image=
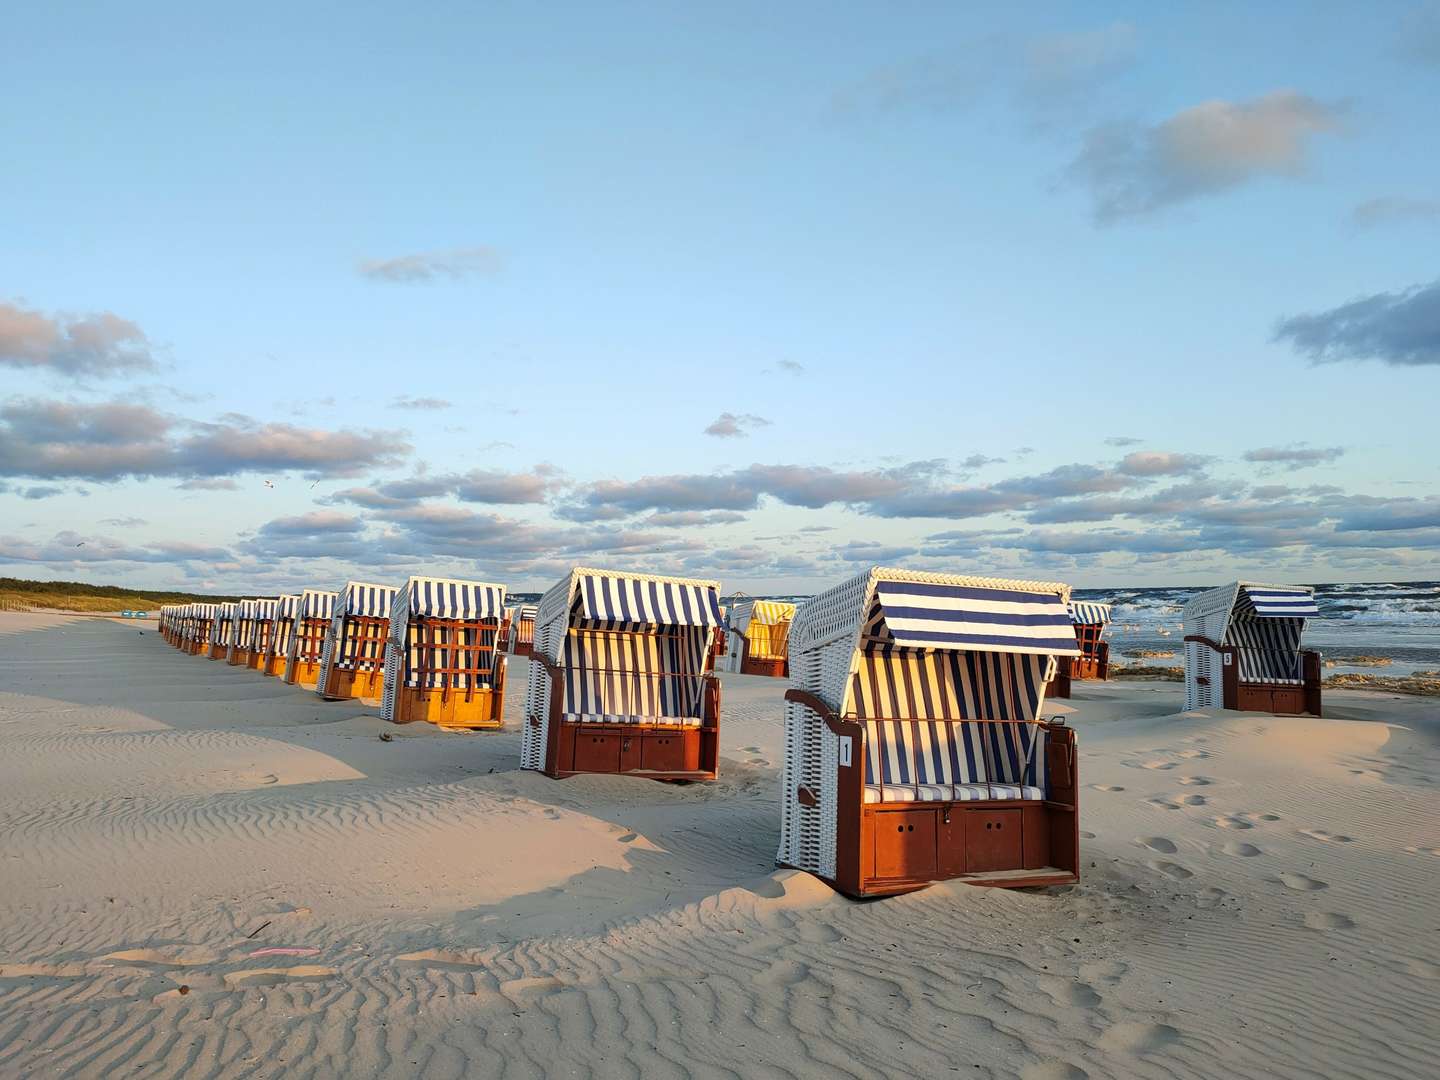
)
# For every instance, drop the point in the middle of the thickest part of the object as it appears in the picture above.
(19, 594)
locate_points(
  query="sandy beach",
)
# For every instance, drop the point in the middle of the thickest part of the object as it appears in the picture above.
(207, 873)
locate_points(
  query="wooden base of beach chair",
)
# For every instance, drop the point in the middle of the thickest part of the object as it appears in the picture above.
(523, 648)
(1279, 699)
(255, 661)
(239, 657)
(274, 665)
(345, 685)
(303, 673)
(482, 710)
(775, 669)
(656, 753)
(196, 648)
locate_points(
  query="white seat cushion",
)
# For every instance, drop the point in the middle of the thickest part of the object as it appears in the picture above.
(618, 718)
(877, 793)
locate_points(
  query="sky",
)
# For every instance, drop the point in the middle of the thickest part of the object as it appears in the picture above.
(1111, 294)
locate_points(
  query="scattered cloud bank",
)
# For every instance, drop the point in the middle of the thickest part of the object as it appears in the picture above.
(450, 265)
(98, 345)
(423, 404)
(1400, 328)
(1134, 170)
(107, 441)
(1298, 456)
(730, 425)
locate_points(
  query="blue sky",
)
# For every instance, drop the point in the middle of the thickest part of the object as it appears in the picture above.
(1105, 293)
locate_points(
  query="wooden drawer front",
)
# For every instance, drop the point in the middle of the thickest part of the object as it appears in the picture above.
(992, 840)
(905, 845)
(596, 753)
(630, 752)
(1288, 701)
(677, 751)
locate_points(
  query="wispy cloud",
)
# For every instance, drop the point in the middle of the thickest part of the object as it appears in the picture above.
(1400, 328)
(101, 344)
(730, 425)
(1298, 456)
(422, 404)
(1394, 210)
(1122, 441)
(1134, 170)
(449, 265)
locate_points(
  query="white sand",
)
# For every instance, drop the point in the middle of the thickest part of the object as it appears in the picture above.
(1260, 897)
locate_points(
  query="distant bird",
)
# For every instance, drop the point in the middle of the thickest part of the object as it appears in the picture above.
(269, 483)
(312, 486)
(80, 544)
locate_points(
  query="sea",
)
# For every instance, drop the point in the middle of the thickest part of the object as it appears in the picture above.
(1398, 621)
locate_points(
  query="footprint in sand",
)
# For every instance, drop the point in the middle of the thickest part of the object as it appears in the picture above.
(1243, 851)
(1158, 765)
(1210, 896)
(1157, 843)
(783, 973)
(1194, 755)
(1412, 849)
(1328, 837)
(1138, 1038)
(1107, 787)
(1229, 821)
(1303, 882)
(1192, 800)
(757, 761)
(750, 750)
(277, 976)
(1328, 920)
(1423, 969)
(1194, 781)
(1068, 993)
(1085, 834)
(629, 838)
(1053, 1070)
(1170, 869)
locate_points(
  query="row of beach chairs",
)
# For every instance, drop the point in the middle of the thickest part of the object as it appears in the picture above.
(916, 745)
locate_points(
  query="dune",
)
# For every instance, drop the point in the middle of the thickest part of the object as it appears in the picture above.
(207, 873)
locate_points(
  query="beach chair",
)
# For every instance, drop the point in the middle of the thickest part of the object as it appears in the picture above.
(621, 680)
(202, 621)
(312, 623)
(164, 623)
(1090, 620)
(224, 630)
(1242, 649)
(914, 746)
(758, 638)
(520, 636)
(277, 651)
(243, 633)
(719, 641)
(262, 631)
(352, 657)
(441, 661)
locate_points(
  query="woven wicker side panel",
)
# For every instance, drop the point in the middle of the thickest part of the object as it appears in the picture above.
(537, 695)
(391, 688)
(327, 653)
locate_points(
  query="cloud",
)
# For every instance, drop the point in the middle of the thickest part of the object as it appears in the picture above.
(787, 367)
(453, 265)
(477, 486)
(683, 519)
(208, 483)
(1419, 39)
(101, 344)
(1394, 210)
(421, 403)
(730, 425)
(41, 492)
(978, 461)
(868, 551)
(124, 522)
(312, 524)
(70, 549)
(50, 439)
(1157, 463)
(1400, 328)
(1297, 456)
(1061, 71)
(1122, 441)
(1133, 170)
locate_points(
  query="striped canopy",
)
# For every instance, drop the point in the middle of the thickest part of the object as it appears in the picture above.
(930, 615)
(1282, 603)
(448, 599)
(364, 599)
(525, 611)
(647, 601)
(265, 609)
(286, 607)
(317, 604)
(771, 612)
(1087, 613)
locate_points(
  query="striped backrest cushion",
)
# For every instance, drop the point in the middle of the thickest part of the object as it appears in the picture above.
(634, 673)
(1269, 648)
(935, 752)
(940, 684)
